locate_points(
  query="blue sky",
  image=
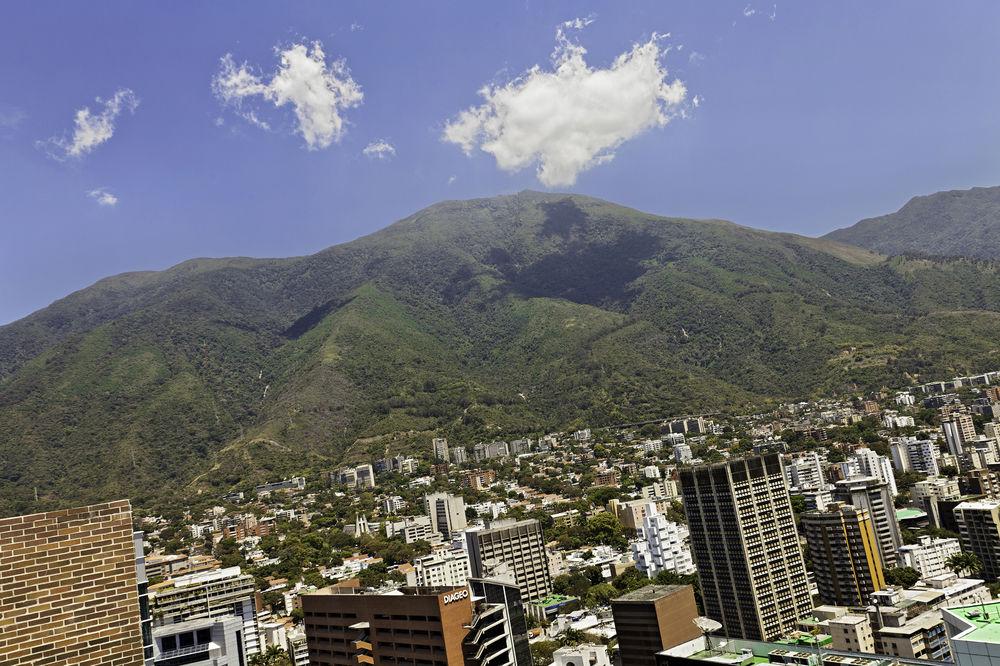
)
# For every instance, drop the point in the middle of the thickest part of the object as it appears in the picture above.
(809, 116)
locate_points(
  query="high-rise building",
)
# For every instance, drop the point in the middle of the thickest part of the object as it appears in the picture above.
(208, 594)
(880, 467)
(910, 454)
(979, 527)
(745, 545)
(873, 495)
(69, 589)
(845, 554)
(958, 429)
(498, 633)
(447, 513)
(439, 449)
(661, 546)
(512, 548)
(652, 619)
(206, 642)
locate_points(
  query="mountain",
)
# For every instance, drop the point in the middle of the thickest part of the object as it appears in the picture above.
(470, 319)
(959, 223)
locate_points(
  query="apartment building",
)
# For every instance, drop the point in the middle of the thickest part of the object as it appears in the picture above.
(979, 527)
(873, 495)
(444, 569)
(447, 513)
(929, 556)
(845, 554)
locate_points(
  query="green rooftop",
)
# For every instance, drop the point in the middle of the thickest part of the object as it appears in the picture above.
(554, 600)
(986, 618)
(909, 513)
(802, 638)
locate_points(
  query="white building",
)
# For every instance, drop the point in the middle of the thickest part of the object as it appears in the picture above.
(448, 569)
(447, 513)
(682, 452)
(905, 400)
(929, 556)
(651, 472)
(872, 464)
(805, 472)
(581, 655)
(662, 545)
(917, 455)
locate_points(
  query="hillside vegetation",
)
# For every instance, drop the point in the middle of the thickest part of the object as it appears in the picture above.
(469, 319)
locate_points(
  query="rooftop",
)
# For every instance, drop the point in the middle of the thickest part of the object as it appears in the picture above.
(985, 619)
(651, 593)
(910, 513)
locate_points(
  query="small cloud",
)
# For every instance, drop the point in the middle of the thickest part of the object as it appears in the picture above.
(774, 13)
(578, 23)
(749, 11)
(91, 129)
(572, 117)
(695, 57)
(219, 121)
(697, 100)
(379, 150)
(103, 197)
(452, 179)
(11, 117)
(357, 27)
(320, 91)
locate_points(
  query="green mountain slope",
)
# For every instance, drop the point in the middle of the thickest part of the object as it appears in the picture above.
(470, 319)
(959, 223)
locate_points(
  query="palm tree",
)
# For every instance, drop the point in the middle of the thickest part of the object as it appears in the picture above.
(964, 563)
(272, 656)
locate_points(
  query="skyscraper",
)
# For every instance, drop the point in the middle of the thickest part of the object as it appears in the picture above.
(745, 545)
(873, 495)
(515, 549)
(844, 553)
(69, 590)
(447, 513)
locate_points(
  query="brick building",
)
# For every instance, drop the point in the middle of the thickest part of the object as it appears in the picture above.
(68, 588)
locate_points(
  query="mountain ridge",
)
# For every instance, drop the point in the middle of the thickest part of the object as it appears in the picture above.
(952, 223)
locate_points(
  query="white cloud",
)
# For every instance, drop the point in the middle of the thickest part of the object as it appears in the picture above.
(452, 179)
(103, 197)
(11, 117)
(695, 57)
(570, 118)
(319, 91)
(379, 150)
(91, 129)
(357, 27)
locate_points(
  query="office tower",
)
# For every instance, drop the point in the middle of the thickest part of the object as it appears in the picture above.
(979, 527)
(447, 513)
(439, 449)
(447, 569)
(652, 619)
(513, 548)
(662, 546)
(929, 556)
(746, 548)
(69, 588)
(208, 594)
(805, 472)
(844, 553)
(879, 467)
(958, 429)
(498, 633)
(432, 625)
(209, 641)
(873, 495)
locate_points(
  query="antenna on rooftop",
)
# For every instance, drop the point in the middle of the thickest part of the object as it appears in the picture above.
(707, 626)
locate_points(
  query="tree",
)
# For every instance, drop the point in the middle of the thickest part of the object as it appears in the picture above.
(605, 529)
(902, 576)
(272, 656)
(964, 563)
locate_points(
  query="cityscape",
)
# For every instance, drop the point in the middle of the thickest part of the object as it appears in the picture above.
(418, 334)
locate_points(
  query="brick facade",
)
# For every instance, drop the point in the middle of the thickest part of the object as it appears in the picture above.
(68, 588)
